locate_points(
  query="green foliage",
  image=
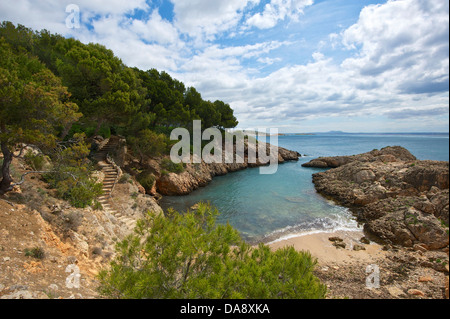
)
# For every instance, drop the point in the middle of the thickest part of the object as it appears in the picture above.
(125, 178)
(48, 83)
(149, 144)
(172, 167)
(190, 257)
(71, 175)
(35, 252)
(33, 104)
(36, 162)
(147, 180)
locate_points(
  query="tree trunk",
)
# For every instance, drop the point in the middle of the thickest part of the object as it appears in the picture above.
(66, 131)
(99, 125)
(5, 184)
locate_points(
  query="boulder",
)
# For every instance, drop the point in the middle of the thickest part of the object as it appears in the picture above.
(426, 228)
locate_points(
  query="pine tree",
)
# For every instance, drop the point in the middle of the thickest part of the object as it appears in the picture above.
(188, 256)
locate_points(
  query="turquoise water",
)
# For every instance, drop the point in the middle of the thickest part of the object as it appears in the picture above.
(267, 207)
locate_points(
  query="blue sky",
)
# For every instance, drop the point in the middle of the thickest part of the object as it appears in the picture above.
(295, 65)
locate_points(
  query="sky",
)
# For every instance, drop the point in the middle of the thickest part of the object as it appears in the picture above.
(295, 65)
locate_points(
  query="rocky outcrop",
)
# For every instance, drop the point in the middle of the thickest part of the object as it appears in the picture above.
(400, 199)
(201, 174)
(387, 154)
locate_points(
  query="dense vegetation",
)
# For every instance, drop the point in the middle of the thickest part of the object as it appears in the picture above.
(52, 88)
(56, 93)
(190, 257)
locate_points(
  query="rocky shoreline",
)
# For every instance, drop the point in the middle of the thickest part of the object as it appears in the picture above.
(403, 204)
(401, 200)
(199, 175)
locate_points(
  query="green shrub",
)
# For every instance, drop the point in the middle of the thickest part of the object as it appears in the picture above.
(149, 144)
(83, 195)
(147, 180)
(36, 162)
(125, 178)
(170, 166)
(35, 252)
(97, 205)
(72, 175)
(188, 256)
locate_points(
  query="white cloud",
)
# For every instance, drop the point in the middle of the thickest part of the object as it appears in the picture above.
(155, 29)
(268, 60)
(278, 10)
(48, 15)
(403, 44)
(397, 55)
(398, 68)
(161, 48)
(110, 7)
(51, 14)
(206, 18)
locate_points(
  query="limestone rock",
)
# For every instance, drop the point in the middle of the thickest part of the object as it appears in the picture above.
(416, 292)
(400, 199)
(357, 247)
(200, 174)
(395, 291)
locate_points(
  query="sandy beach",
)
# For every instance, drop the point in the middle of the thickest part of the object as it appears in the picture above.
(322, 248)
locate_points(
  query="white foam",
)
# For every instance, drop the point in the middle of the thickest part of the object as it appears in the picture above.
(338, 222)
(313, 232)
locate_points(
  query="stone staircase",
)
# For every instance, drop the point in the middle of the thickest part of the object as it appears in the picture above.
(111, 176)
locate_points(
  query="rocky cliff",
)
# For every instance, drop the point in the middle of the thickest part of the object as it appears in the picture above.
(201, 174)
(41, 235)
(400, 199)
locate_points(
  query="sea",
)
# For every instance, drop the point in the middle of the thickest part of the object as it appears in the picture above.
(268, 208)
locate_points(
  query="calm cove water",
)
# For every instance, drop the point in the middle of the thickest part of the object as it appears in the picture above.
(269, 207)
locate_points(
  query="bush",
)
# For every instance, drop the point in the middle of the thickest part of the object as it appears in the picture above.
(36, 162)
(83, 195)
(35, 252)
(147, 180)
(188, 256)
(170, 166)
(89, 130)
(125, 178)
(149, 144)
(72, 175)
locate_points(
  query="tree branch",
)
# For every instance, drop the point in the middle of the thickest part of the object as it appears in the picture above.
(21, 151)
(22, 178)
(7, 202)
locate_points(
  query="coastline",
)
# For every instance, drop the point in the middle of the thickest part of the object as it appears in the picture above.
(400, 200)
(320, 247)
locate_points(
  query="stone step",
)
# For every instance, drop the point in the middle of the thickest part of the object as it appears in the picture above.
(105, 164)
